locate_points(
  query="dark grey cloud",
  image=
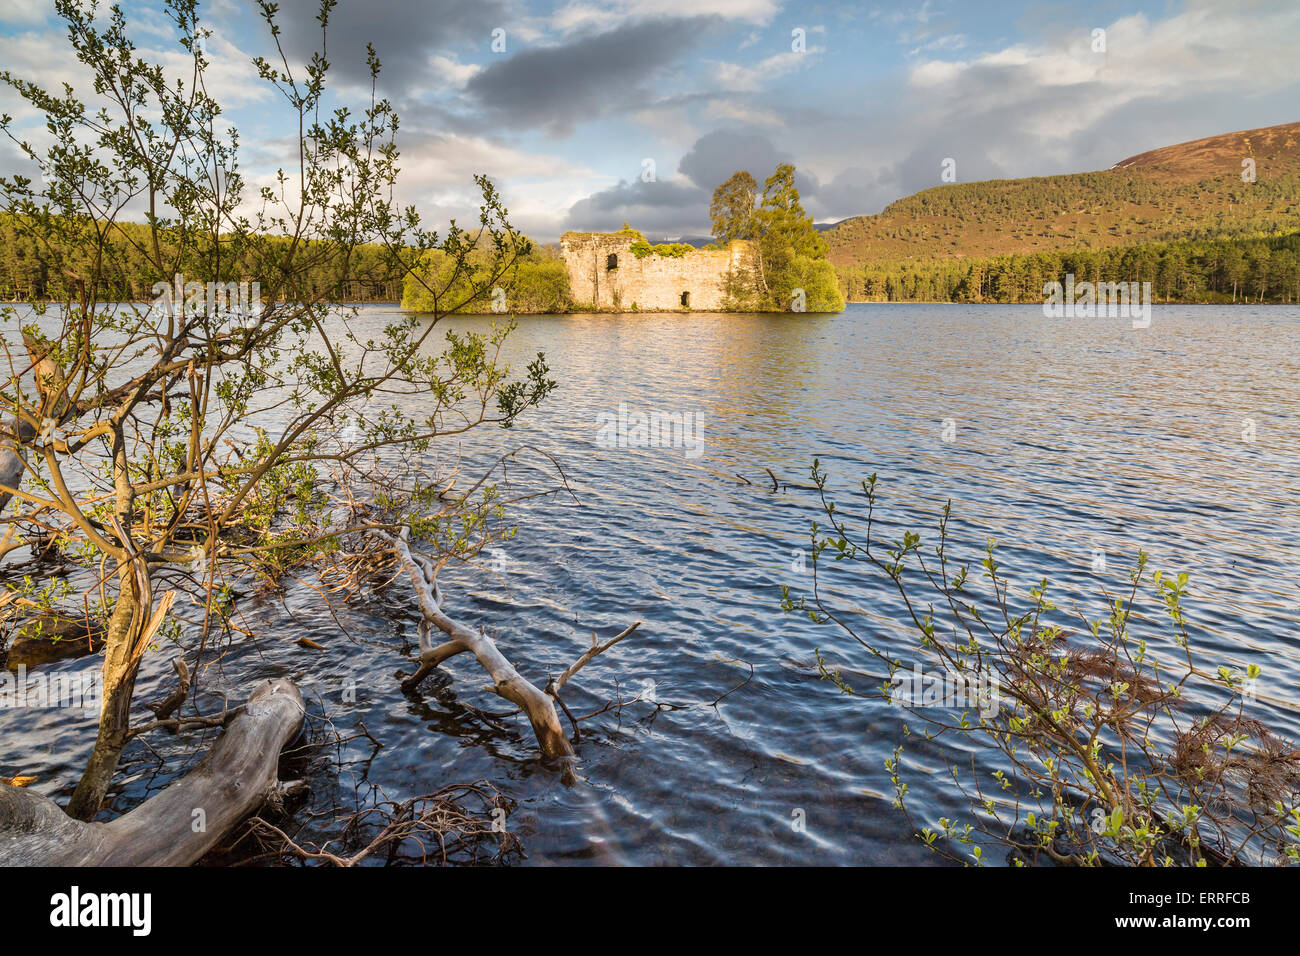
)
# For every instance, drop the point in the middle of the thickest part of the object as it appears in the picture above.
(559, 86)
(673, 208)
(668, 208)
(853, 191)
(716, 155)
(404, 35)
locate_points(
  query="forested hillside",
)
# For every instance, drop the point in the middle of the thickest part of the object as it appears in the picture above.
(1193, 190)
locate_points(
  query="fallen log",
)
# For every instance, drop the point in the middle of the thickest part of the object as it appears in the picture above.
(178, 826)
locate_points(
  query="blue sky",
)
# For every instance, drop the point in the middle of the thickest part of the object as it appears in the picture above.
(586, 91)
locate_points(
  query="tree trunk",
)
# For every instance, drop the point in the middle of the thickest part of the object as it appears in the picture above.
(11, 469)
(129, 630)
(118, 687)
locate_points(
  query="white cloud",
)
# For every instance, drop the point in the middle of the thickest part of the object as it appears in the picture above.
(451, 72)
(1057, 92)
(537, 188)
(669, 122)
(1198, 49)
(936, 72)
(437, 177)
(24, 12)
(742, 78)
(449, 158)
(41, 57)
(44, 58)
(949, 41)
(749, 115)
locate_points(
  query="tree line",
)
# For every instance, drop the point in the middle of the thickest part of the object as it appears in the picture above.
(1259, 270)
(41, 263)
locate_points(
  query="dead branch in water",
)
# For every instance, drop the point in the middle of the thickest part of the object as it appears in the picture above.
(164, 709)
(537, 705)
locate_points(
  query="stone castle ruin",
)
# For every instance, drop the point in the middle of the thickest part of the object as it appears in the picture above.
(605, 272)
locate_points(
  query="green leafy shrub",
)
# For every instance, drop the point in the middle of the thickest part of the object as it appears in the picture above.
(670, 250)
(1104, 742)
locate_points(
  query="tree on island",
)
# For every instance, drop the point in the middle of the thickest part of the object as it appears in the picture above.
(791, 271)
(732, 208)
(536, 282)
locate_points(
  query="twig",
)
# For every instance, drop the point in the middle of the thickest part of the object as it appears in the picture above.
(591, 652)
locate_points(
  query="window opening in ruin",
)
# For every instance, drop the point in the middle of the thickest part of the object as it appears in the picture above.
(611, 262)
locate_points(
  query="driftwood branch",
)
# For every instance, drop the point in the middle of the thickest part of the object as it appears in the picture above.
(537, 705)
(506, 681)
(178, 826)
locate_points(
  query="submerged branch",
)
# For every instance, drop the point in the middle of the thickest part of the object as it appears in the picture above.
(537, 705)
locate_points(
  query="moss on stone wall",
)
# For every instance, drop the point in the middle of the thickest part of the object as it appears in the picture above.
(670, 250)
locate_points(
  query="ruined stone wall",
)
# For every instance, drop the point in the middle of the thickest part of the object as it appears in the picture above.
(654, 283)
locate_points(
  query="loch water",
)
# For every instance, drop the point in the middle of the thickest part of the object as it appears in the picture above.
(1063, 440)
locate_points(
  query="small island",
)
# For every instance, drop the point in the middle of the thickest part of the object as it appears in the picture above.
(766, 256)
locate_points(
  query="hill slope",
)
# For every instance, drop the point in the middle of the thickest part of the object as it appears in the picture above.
(1187, 191)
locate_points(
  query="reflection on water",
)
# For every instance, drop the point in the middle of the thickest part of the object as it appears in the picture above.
(1068, 438)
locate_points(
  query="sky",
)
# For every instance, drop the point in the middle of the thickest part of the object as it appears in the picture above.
(589, 113)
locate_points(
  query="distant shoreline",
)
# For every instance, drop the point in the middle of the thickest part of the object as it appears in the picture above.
(848, 302)
(1217, 305)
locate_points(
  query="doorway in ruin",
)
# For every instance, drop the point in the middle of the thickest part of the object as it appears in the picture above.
(686, 300)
